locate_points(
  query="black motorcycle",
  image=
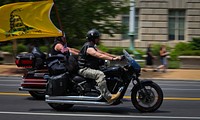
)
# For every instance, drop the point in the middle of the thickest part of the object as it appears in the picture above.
(66, 90)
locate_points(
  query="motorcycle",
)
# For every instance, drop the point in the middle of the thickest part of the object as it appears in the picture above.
(66, 90)
(33, 80)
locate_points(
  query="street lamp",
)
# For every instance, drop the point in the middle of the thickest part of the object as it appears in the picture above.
(132, 24)
(132, 29)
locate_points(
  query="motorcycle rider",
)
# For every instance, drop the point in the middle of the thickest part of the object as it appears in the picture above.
(60, 47)
(89, 63)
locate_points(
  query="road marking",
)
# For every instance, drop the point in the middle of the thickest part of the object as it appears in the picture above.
(99, 115)
(14, 94)
(126, 97)
(176, 98)
(172, 98)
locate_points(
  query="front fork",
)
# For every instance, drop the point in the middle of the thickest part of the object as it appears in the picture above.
(137, 83)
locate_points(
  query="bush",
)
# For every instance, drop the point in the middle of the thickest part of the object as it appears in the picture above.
(190, 53)
(7, 48)
(195, 44)
(21, 48)
(174, 56)
(191, 48)
(141, 52)
(182, 47)
(44, 49)
(173, 64)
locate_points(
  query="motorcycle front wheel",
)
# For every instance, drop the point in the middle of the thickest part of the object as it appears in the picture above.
(60, 106)
(147, 99)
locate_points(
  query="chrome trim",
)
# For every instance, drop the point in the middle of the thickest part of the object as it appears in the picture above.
(73, 98)
(31, 89)
(77, 102)
(77, 99)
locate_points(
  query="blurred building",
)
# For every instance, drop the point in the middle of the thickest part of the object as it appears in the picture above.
(160, 21)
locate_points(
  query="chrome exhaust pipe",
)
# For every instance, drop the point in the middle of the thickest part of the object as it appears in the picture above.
(31, 89)
(78, 99)
(77, 102)
(83, 98)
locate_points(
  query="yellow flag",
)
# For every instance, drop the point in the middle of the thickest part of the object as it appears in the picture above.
(27, 20)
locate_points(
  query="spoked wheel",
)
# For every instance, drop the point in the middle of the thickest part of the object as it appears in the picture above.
(60, 106)
(37, 95)
(147, 99)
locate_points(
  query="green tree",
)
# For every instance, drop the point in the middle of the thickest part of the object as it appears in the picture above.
(79, 16)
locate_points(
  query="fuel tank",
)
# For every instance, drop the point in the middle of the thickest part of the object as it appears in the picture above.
(113, 71)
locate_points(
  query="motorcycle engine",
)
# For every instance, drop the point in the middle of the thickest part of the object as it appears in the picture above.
(114, 83)
(85, 87)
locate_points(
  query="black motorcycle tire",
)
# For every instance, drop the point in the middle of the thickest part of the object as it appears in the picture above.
(146, 108)
(37, 95)
(60, 106)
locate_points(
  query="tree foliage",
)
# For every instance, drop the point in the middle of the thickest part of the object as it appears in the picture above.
(79, 16)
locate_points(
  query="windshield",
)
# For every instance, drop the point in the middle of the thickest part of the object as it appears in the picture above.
(132, 62)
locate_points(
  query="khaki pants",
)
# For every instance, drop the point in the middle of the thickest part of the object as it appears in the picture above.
(100, 79)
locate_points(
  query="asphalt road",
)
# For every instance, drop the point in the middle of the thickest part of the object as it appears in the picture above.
(181, 101)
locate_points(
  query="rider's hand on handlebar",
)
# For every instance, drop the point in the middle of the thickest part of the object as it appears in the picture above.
(117, 58)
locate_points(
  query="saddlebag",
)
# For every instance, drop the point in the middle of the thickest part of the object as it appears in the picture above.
(56, 65)
(57, 85)
(26, 60)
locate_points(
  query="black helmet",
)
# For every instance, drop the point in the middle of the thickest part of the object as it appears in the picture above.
(92, 35)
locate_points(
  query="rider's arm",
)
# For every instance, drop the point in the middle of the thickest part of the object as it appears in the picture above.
(73, 51)
(111, 55)
(97, 54)
(61, 48)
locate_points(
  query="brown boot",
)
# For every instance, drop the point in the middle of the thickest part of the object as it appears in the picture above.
(114, 97)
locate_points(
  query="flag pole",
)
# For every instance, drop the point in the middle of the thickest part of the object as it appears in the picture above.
(58, 17)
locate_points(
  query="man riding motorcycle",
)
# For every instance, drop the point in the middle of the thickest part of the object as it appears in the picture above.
(88, 61)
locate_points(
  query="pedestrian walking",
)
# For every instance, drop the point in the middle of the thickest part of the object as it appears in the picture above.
(163, 59)
(150, 57)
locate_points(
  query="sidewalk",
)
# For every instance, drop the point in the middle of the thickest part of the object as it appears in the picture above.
(171, 74)
(11, 70)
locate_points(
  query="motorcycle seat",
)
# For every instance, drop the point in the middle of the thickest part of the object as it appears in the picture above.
(78, 79)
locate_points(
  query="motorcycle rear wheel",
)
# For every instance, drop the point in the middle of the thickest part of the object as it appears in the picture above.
(60, 106)
(148, 101)
(37, 95)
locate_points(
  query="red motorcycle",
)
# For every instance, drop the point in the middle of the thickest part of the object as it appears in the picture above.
(32, 80)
